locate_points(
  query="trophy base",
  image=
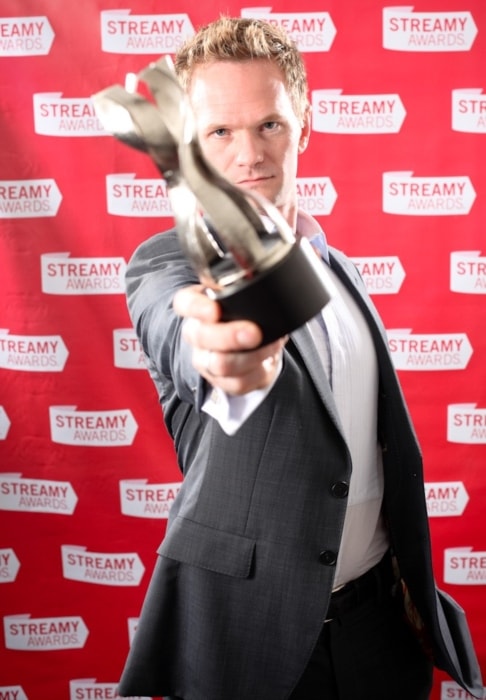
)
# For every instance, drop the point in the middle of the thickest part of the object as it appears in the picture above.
(282, 298)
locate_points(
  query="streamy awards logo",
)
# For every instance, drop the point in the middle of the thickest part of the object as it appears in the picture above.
(140, 499)
(92, 428)
(9, 566)
(405, 194)
(406, 30)
(450, 690)
(89, 689)
(468, 272)
(316, 195)
(32, 353)
(464, 567)
(434, 351)
(25, 633)
(445, 498)
(128, 196)
(62, 274)
(335, 113)
(25, 36)
(4, 423)
(127, 351)
(28, 199)
(12, 692)
(466, 423)
(381, 274)
(55, 115)
(36, 495)
(469, 110)
(311, 31)
(122, 32)
(113, 569)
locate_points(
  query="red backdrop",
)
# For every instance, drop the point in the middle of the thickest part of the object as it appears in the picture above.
(395, 174)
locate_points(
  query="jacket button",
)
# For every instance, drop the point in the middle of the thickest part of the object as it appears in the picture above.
(340, 489)
(328, 557)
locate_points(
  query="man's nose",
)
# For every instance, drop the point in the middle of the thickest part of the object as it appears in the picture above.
(249, 149)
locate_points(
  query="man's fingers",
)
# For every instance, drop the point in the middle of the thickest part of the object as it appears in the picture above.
(239, 372)
(193, 302)
(233, 336)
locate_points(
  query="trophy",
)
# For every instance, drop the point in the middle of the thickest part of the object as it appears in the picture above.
(240, 246)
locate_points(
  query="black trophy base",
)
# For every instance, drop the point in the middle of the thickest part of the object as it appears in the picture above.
(282, 298)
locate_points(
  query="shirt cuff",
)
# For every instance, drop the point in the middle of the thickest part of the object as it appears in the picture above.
(232, 411)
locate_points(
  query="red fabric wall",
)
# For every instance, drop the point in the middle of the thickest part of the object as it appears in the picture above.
(395, 174)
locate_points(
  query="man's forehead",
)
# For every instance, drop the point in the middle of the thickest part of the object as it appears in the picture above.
(224, 75)
(231, 90)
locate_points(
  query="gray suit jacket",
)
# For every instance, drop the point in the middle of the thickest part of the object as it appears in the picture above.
(239, 593)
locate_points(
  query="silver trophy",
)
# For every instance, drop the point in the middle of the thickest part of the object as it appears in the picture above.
(238, 243)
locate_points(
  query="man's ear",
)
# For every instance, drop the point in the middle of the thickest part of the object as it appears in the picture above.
(306, 130)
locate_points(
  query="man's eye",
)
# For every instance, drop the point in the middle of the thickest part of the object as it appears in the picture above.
(220, 132)
(270, 126)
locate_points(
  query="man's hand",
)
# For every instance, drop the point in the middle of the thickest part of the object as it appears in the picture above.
(226, 354)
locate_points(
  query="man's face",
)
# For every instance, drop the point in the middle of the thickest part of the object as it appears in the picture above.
(248, 128)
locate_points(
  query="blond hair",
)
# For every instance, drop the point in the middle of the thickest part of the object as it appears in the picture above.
(246, 39)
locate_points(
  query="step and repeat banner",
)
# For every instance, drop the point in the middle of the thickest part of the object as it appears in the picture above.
(396, 175)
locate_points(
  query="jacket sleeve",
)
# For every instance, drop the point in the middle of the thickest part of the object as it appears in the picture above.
(157, 269)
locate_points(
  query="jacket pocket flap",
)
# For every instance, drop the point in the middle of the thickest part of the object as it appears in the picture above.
(223, 552)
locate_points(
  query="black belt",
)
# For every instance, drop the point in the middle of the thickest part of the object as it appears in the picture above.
(376, 582)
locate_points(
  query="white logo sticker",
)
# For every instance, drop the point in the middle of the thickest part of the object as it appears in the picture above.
(104, 569)
(89, 689)
(335, 113)
(127, 351)
(9, 567)
(469, 110)
(25, 36)
(92, 428)
(62, 274)
(449, 690)
(466, 424)
(32, 353)
(405, 30)
(12, 692)
(427, 196)
(25, 633)
(381, 275)
(435, 351)
(464, 567)
(143, 500)
(28, 199)
(468, 272)
(122, 32)
(4, 423)
(36, 495)
(316, 195)
(445, 498)
(55, 115)
(128, 196)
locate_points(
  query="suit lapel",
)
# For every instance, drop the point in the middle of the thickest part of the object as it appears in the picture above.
(304, 343)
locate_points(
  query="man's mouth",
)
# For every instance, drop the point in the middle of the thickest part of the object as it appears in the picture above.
(253, 181)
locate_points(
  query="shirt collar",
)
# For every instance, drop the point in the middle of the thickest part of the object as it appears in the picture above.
(308, 227)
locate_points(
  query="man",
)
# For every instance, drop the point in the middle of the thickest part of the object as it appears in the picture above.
(296, 563)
